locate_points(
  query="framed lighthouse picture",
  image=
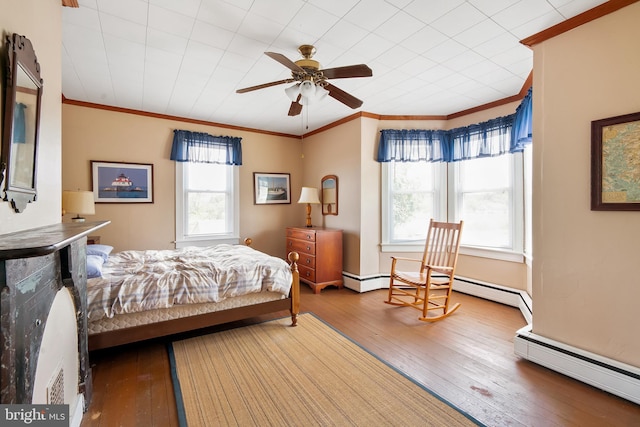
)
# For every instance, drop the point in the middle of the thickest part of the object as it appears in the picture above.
(118, 182)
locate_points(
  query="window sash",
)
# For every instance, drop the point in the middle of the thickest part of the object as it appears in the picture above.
(184, 193)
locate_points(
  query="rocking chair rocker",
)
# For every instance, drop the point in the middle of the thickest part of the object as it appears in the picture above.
(429, 288)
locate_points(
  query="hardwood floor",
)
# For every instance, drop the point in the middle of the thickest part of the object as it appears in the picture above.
(467, 359)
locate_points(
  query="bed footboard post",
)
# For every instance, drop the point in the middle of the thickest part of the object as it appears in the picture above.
(295, 287)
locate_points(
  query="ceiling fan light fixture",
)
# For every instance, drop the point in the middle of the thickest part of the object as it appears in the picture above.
(321, 93)
(308, 89)
(293, 91)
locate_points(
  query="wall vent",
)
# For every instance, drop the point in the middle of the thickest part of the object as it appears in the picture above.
(55, 388)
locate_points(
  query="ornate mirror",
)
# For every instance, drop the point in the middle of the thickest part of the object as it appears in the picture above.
(330, 195)
(23, 94)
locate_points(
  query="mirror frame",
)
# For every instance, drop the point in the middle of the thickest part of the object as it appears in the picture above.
(21, 58)
(328, 182)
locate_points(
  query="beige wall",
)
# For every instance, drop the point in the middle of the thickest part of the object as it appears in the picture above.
(335, 152)
(96, 134)
(585, 264)
(41, 22)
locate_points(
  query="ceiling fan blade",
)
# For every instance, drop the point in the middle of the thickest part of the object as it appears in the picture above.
(342, 96)
(360, 70)
(285, 61)
(264, 85)
(296, 107)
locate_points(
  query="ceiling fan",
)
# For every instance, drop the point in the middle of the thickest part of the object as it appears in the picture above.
(311, 82)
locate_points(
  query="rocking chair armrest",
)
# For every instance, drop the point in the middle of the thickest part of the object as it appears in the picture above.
(440, 268)
(399, 258)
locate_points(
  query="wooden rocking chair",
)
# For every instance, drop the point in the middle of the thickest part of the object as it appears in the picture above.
(429, 287)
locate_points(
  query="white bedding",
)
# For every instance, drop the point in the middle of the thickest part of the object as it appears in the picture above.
(136, 281)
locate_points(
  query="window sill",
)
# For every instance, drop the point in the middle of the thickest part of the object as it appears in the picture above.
(501, 255)
(206, 241)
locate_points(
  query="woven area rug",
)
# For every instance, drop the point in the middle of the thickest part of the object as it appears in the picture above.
(274, 374)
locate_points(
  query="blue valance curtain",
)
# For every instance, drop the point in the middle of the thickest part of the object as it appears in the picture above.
(413, 145)
(508, 134)
(522, 124)
(199, 147)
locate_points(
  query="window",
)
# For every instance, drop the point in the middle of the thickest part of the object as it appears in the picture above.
(486, 193)
(416, 190)
(207, 204)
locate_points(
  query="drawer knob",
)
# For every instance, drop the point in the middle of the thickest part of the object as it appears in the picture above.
(308, 248)
(309, 236)
(308, 274)
(308, 261)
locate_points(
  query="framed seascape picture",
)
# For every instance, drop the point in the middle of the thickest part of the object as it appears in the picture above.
(615, 163)
(271, 188)
(117, 182)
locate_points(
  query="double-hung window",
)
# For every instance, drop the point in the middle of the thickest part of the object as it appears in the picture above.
(207, 189)
(206, 204)
(487, 193)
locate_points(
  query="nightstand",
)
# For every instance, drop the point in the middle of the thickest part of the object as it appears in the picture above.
(93, 240)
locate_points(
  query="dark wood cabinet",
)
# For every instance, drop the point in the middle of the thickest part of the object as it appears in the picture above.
(320, 251)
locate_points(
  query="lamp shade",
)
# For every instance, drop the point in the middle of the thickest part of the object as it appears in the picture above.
(309, 195)
(328, 195)
(78, 202)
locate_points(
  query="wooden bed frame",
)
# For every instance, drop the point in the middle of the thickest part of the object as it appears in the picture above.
(190, 323)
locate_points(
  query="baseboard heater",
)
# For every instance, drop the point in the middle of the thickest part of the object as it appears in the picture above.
(606, 374)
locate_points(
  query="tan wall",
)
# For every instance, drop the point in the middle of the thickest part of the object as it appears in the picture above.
(41, 22)
(585, 263)
(335, 152)
(95, 134)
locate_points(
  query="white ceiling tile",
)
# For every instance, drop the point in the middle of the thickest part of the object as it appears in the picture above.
(425, 39)
(314, 21)
(370, 14)
(334, 7)
(164, 41)
(131, 10)
(221, 14)
(211, 35)
(491, 7)
(122, 28)
(479, 33)
(445, 51)
(280, 11)
(521, 12)
(458, 20)
(343, 34)
(184, 7)
(170, 22)
(429, 11)
(399, 27)
(538, 24)
(261, 30)
(576, 7)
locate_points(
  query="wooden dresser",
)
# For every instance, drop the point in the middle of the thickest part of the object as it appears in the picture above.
(320, 251)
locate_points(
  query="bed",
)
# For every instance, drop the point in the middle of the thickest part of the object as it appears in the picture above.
(138, 295)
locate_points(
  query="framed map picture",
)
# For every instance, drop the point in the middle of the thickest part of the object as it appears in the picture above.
(615, 163)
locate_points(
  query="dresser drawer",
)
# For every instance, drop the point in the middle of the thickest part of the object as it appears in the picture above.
(307, 273)
(307, 261)
(301, 247)
(309, 235)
